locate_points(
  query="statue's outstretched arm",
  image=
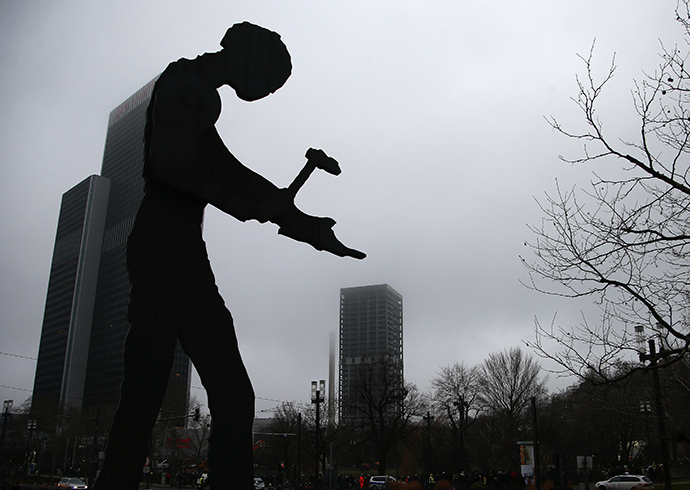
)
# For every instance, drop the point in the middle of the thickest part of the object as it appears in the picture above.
(186, 152)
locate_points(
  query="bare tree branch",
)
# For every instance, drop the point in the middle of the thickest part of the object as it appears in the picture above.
(623, 241)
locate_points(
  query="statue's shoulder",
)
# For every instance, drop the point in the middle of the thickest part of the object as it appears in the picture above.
(184, 99)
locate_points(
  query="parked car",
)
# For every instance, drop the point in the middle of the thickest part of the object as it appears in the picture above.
(72, 484)
(258, 483)
(380, 481)
(626, 482)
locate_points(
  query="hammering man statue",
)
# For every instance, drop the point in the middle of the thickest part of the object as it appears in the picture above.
(173, 294)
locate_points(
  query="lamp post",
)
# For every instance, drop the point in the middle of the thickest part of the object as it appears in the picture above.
(31, 427)
(653, 357)
(646, 408)
(317, 390)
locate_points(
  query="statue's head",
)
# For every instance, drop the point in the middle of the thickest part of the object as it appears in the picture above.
(258, 61)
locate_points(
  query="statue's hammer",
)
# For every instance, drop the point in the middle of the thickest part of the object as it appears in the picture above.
(315, 159)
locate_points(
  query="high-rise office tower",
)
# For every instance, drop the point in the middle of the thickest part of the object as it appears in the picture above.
(102, 343)
(371, 334)
(64, 348)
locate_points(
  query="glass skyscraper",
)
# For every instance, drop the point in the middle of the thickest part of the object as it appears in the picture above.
(371, 331)
(65, 338)
(100, 358)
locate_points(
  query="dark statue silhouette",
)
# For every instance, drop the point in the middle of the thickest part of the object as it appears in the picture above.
(173, 293)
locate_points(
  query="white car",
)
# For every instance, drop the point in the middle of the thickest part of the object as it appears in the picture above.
(72, 484)
(380, 481)
(626, 482)
(258, 483)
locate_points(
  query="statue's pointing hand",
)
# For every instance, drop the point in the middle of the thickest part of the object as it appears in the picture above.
(316, 231)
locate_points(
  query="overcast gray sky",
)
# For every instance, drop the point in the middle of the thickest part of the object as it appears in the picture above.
(435, 110)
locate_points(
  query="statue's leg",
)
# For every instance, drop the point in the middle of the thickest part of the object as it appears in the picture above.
(148, 357)
(212, 345)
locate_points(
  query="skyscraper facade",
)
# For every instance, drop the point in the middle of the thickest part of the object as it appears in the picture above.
(64, 348)
(101, 360)
(371, 332)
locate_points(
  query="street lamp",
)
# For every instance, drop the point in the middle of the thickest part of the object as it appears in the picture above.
(640, 340)
(653, 357)
(646, 409)
(317, 390)
(31, 427)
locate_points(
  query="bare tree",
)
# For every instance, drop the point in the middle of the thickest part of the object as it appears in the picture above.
(455, 392)
(198, 431)
(283, 446)
(509, 380)
(455, 387)
(623, 241)
(386, 405)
